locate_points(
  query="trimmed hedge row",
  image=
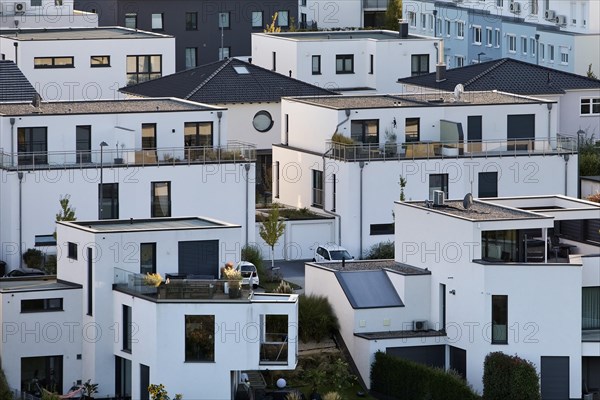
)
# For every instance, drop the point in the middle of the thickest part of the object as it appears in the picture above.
(509, 377)
(403, 379)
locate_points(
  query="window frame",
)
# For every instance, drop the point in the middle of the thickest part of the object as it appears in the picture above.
(210, 339)
(443, 186)
(46, 305)
(419, 70)
(143, 269)
(131, 17)
(114, 200)
(72, 250)
(316, 71)
(254, 23)
(497, 38)
(127, 334)
(344, 58)
(224, 24)
(52, 64)
(194, 59)
(317, 184)
(102, 64)
(551, 53)
(191, 21)
(155, 201)
(161, 19)
(564, 58)
(489, 37)
(477, 34)
(512, 43)
(524, 40)
(460, 29)
(281, 22)
(504, 317)
(592, 102)
(486, 176)
(364, 125)
(139, 72)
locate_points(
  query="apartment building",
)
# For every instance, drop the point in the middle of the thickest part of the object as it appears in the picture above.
(43, 14)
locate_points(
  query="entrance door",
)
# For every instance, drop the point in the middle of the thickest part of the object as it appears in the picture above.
(555, 378)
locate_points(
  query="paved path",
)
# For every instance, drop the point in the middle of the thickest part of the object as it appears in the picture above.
(292, 271)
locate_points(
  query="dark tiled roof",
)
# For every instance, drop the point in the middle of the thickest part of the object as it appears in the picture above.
(220, 83)
(13, 84)
(507, 75)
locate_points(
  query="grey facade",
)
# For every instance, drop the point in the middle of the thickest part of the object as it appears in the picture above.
(196, 23)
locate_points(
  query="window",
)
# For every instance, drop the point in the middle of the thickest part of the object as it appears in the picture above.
(430, 21)
(148, 136)
(460, 61)
(161, 199)
(488, 184)
(590, 106)
(199, 338)
(127, 325)
(283, 19)
(316, 65)
(99, 61)
(42, 305)
(523, 44)
(448, 27)
(344, 64)
(365, 131)
(532, 46)
(497, 37)
(424, 21)
(191, 57)
(590, 308)
(500, 3)
(197, 134)
(334, 191)
(371, 63)
(109, 204)
(158, 22)
(303, 20)
(573, 13)
(438, 27)
(489, 37)
(583, 13)
(131, 20)
(32, 145)
(419, 64)
(477, 35)
(460, 30)
(564, 57)
(438, 182)
(512, 44)
(317, 188)
(533, 6)
(499, 319)
(147, 258)
(542, 51)
(191, 21)
(381, 229)
(412, 130)
(274, 61)
(224, 20)
(262, 121)
(90, 281)
(551, 53)
(53, 62)
(412, 19)
(257, 19)
(143, 68)
(72, 250)
(224, 52)
(276, 193)
(36, 3)
(83, 143)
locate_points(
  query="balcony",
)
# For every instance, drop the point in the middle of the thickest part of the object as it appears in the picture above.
(443, 150)
(274, 349)
(233, 152)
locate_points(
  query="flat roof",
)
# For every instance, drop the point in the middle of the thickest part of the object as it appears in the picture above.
(347, 35)
(34, 284)
(479, 211)
(398, 334)
(374, 265)
(99, 33)
(154, 224)
(442, 99)
(134, 105)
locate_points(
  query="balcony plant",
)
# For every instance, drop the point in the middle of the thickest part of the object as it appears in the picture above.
(234, 281)
(153, 279)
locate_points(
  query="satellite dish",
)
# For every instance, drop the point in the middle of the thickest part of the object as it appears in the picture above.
(458, 91)
(468, 201)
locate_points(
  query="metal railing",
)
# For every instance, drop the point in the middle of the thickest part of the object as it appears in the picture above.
(466, 149)
(233, 152)
(274, 349)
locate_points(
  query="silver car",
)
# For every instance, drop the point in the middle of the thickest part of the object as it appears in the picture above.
(249, 273)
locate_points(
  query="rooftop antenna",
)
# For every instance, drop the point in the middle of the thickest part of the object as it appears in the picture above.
(458, 91)
(468, 201)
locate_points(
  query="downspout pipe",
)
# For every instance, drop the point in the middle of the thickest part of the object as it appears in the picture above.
(247, 168)
(219, 115)
(549, 105)
(20, 175)
(566, 156)
(360, 224)
(12, 141)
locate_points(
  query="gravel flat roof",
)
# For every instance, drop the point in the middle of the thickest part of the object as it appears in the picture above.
(373, 265)
(348, 35)
(34, 284)
(100, 33)
(479, 211)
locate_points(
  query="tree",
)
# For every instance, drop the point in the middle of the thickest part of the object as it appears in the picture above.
(271, 230)
(590, 73)
(392, 14)
(66, 213)
(402, 183)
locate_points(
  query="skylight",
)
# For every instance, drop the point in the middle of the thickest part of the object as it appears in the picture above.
(241, 70)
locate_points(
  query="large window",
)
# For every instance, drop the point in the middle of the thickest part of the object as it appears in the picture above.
(344, 64)
(316, 65)
(412, 130)
(590, 308)
(191, 57)
(32, 145)
(499, 319)
(53, 62)
(476, 35)
(147, 258)
(127, 328)
(199, 338)
(191, 21)
(488, 184)
(131, 20)
(158, 22)
(419, 64)
(590, 106)
(42, 305)
(148, 136)
(143, 68)
(317, 188)
(257, 20)
(47, 371)
(161, 199)
(438, 182)
(224, 20)
(198, 134)
(83, 143)
(109, 209)
(500, 246)
(283, 18)
(365, 131)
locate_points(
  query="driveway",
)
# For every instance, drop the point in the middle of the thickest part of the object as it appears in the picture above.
(292, 271)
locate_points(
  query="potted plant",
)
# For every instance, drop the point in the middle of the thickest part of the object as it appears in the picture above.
(391, 144)
(234, 282)
(153, 279)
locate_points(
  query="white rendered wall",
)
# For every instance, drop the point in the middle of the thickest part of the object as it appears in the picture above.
(239, 124)
(334, 14)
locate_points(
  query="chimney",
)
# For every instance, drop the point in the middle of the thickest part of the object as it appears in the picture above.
(403, 29)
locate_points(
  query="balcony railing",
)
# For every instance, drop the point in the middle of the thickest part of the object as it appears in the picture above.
(432, 149)
(274, 349)
(233, 152)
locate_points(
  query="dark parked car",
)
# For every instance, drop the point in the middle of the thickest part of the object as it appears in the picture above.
(24, 271)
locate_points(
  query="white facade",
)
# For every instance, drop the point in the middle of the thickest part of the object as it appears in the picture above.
(378, 58)
(360, 181)
(337, 14)
(88, 63)
(49, 14)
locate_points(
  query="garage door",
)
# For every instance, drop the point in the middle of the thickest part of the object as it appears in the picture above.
(199, 257)
(433, 356)
(555, 378)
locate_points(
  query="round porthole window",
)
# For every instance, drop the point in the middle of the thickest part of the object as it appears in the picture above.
(262, 121)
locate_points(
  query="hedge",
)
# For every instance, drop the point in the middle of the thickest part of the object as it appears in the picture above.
(397, 378)
(5, 393)
(509, 377)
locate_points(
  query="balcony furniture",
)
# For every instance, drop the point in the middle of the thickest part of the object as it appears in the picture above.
(557, 248)
(187, 289)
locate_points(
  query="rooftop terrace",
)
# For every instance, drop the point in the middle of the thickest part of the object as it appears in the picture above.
(479, 211)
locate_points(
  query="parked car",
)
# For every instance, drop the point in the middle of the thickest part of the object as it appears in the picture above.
(331, 253)
(24, 271)
(249, 273)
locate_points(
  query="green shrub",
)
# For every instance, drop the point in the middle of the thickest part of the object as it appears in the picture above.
(316, 319)
(251, 253)
(5, 393)
(33, 258)
(50, 264)
(381, 251)
(509, 377)
(403, 379)
(339, 138)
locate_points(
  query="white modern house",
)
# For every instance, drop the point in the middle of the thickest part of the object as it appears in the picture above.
(128, 334)
(488, 143)
(139, 158)
(87, 63)
(520, 275)
(44, 14)
(349, 61)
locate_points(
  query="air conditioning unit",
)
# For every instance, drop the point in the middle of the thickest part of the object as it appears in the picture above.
(549, 15)
(420, 325)
(438, 197)
(20, 7)
(561, 20)
(515, 8)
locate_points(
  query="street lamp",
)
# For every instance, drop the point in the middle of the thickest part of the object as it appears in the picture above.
(102, 145)
(479, 57)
